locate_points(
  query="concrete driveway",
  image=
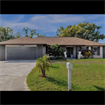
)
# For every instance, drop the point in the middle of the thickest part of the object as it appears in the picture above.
(13, 74)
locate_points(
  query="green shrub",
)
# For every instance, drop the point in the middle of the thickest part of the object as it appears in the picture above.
(56, 51)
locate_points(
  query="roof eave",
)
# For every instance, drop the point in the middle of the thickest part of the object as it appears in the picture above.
(23, 44)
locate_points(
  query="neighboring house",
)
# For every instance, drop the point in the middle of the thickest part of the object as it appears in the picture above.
(33, 48)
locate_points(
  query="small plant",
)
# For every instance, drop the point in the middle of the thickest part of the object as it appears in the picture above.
(43, 64)
(88, 54)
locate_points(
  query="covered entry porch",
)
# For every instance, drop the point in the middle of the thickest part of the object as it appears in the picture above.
(72, 51)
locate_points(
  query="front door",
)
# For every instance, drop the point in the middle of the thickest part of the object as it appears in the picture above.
(69, 51)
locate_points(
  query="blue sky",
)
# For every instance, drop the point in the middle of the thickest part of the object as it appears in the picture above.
(49, 23)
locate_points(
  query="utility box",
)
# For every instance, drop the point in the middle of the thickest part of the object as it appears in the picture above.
(69, 65)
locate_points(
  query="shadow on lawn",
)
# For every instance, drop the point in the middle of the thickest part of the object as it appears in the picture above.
(99, 88)
(62, 83)
(54, 66)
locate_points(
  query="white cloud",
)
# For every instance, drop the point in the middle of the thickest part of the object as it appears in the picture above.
(50, 22)
(56, 19)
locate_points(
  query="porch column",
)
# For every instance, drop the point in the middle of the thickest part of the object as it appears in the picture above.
(101, 52)
(74, 51)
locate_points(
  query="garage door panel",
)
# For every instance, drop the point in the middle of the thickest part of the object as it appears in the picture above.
(21, 53)
(13, 53)
(28, 53)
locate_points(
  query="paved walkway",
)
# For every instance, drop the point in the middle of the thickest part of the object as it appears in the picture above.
(13, 74)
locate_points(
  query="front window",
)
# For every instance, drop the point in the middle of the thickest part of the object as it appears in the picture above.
(96, 50)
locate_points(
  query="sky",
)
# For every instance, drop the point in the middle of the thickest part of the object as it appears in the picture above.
(48, 24)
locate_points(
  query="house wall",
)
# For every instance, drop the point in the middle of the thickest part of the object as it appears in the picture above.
(101, 53)
(2, 52)
(64, 47)
(44, 50)
(39, 51)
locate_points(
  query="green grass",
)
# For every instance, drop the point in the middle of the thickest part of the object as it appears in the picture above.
(87, 75)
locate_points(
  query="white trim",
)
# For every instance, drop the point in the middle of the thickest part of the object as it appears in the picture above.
(21, 45)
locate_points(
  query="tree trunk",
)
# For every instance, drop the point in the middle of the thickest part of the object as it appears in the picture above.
(43, 73)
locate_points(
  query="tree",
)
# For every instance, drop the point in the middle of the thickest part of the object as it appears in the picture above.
(32, 33)
(59, 31)
(40, 35)
(56, 50)
(18, 35)
(6, 33)
(43, 64)
(26, 31)
(1, 35)
(86, 30)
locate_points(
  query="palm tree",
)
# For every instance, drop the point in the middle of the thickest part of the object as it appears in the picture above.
(43, 64)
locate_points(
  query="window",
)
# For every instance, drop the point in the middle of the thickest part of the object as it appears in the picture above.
(96, 50)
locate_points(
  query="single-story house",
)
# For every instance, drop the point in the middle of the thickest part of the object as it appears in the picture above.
(33, 48)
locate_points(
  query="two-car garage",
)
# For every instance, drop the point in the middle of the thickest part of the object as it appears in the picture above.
(20, 52)
(14, 53)
(23, 48)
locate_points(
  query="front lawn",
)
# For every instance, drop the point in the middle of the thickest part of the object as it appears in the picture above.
(87, 75)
